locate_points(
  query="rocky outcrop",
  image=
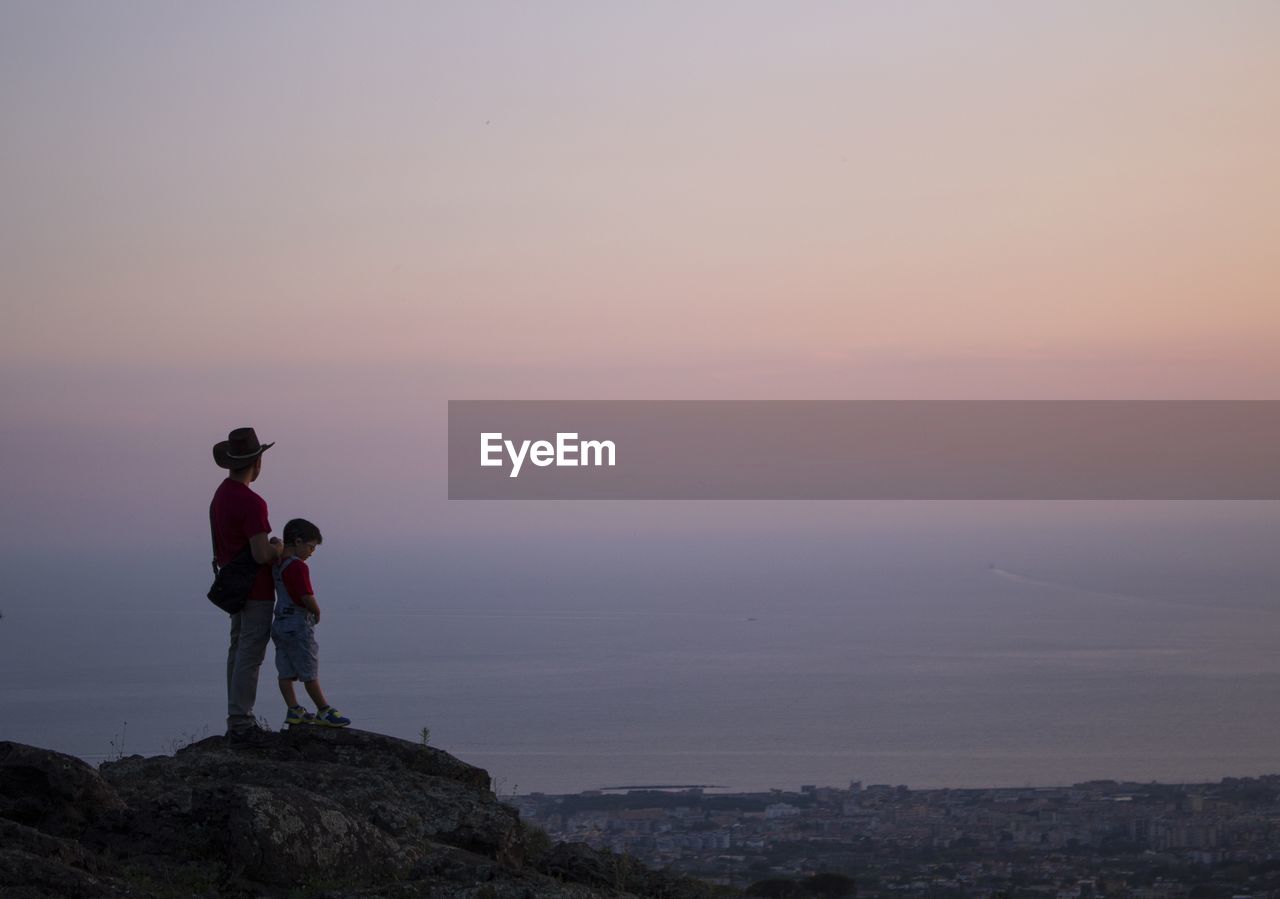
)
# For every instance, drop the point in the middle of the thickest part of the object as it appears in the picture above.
(54, 793)
(309, 811)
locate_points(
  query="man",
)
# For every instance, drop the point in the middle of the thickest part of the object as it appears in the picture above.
(238, 516)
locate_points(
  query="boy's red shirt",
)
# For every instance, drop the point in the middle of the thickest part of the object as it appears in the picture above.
(297, 581)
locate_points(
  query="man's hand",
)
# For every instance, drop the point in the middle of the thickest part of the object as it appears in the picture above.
(264, 549)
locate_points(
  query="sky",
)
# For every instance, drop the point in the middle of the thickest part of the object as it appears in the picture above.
(325, 220)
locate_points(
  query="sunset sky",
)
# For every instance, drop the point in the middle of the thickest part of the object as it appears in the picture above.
(325, 220)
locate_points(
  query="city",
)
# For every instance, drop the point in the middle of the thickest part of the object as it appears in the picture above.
(1094, 839)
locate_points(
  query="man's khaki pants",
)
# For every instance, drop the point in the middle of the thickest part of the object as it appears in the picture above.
(250, 632)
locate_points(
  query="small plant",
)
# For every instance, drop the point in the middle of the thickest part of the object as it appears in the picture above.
(537, 843)
(182, 741)
(424, 736)
(117, 744)
(624, 868)
(499, 784)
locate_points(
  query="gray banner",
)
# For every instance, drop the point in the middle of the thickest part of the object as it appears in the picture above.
(925, 449)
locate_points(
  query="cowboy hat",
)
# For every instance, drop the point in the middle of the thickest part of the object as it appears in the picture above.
(239, 449)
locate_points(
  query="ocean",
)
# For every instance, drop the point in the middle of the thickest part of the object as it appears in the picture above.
(743, 661)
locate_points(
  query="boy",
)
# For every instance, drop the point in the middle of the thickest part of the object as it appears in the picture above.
(293, 631)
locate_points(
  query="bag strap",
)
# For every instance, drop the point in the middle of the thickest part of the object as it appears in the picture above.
(213, 539)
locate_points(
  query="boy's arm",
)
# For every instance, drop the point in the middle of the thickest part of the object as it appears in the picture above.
(297, 581)
(309, 603)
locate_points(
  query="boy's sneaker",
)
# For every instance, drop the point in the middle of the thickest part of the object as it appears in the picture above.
(298, 715)
(331, 717)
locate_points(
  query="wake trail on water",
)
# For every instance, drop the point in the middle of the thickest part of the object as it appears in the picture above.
(1065, 587)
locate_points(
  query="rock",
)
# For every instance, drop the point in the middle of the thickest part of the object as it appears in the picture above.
(25, 876)
(363, 749)
(279, 836)
(55, 793)
(316, 811)
(339, 786)
(34, 865)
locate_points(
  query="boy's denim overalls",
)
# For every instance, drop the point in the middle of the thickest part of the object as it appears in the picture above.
(293, 632)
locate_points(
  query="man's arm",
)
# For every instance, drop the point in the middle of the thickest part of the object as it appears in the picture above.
(264, 550)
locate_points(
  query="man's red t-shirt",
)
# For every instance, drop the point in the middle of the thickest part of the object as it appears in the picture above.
(238, 514)
(297, 580)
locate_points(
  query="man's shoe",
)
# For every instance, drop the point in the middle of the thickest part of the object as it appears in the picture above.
(298, 715)
(331, 717)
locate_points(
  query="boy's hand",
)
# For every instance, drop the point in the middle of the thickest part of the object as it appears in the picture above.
(312, 606)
